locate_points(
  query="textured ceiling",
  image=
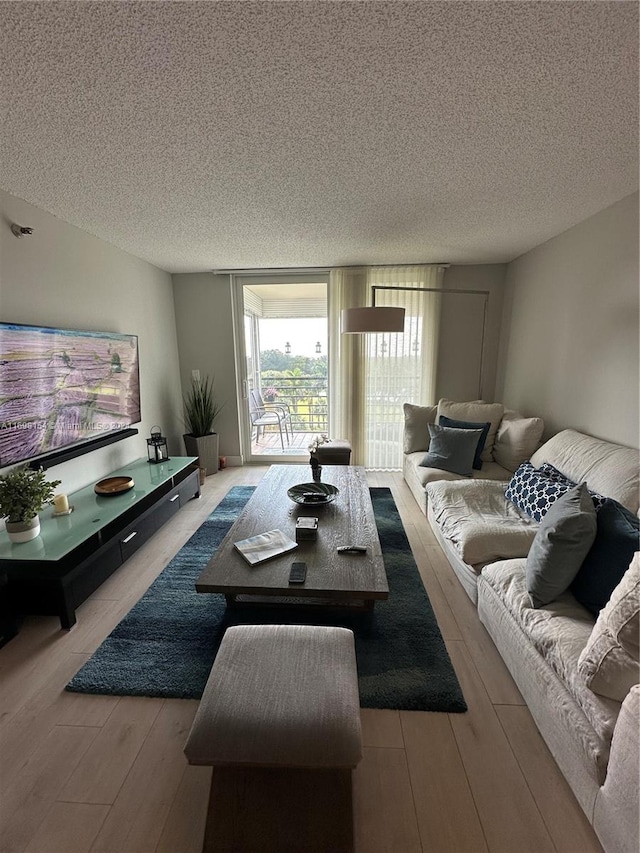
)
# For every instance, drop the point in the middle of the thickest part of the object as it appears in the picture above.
(266, 134)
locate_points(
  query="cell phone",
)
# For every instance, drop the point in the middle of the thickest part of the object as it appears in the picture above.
(298, 573)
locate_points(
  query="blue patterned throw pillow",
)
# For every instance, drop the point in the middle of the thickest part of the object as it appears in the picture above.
(553, 473)
(533, 491)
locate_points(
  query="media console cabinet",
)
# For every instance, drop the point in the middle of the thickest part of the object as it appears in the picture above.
(74, 554)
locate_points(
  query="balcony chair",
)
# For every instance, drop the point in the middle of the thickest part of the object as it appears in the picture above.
(268, 415)
(283, 408)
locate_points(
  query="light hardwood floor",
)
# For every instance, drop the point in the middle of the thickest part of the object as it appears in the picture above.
(97, 773)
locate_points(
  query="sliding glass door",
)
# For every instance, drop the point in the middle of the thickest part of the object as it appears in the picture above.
(283, 365)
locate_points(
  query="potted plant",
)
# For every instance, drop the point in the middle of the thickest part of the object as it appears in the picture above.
(200, 411)
(23, 493)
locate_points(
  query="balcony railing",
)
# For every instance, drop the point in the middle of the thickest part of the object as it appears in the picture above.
(306, 397)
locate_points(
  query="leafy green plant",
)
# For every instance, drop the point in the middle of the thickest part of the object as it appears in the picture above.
(23, 493)
(200, 407)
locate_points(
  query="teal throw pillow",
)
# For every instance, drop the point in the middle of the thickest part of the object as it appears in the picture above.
(562, 541)
(485, 427)
(452, 449)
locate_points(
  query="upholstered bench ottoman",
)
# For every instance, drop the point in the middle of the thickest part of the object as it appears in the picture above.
(334, 452)
(279, 720)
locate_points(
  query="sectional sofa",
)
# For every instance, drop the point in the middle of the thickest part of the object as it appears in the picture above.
(510, 440)
(574, 659)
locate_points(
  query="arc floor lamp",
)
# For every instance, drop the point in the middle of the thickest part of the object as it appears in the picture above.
(385, 318)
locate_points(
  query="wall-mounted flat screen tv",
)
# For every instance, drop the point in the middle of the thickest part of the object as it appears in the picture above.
(60, 387)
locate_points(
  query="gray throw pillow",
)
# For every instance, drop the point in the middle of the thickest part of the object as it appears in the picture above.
(562, 541)
(452, 449)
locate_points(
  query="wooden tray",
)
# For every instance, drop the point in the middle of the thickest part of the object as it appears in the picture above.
(113, 486)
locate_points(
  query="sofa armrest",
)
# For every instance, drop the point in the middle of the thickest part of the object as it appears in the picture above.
(615, 817)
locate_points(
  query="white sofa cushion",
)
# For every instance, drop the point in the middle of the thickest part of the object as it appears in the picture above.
(609, 469)
(558, 632)
(609, 661)
(416, 426)
(517, 438)
(478, 412)
(481, 524)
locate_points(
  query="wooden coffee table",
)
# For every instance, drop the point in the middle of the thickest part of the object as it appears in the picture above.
(333, 579)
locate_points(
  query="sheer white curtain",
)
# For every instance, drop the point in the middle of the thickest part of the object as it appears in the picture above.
(347, 289)
(400, 367)
(371, 376)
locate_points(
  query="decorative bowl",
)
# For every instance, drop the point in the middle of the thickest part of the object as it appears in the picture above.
(313, 494)
(113, 486)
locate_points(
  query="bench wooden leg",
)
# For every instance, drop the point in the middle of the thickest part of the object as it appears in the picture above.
(265, 810)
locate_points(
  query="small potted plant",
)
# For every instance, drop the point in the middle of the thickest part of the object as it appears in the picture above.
(316, 467)
(200, 412)
(23, 493)
(270, 394)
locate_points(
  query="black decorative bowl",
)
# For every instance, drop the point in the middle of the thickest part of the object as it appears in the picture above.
(313, 494)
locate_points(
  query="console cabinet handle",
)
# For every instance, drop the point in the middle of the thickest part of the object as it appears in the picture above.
(130, 537)
(174, 498)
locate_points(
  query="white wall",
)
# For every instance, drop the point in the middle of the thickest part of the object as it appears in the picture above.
(204, 327)
(461, 322)
(203, 309)
(62, 276)
(569, 349)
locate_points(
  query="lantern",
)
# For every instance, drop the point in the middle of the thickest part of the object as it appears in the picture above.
(157, 446)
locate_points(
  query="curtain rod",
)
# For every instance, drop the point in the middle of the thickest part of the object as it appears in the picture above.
(306, 270)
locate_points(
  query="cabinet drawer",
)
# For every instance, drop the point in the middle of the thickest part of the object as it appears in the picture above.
(190, 487)
(167, 508)
(136, 535)
(94, 572)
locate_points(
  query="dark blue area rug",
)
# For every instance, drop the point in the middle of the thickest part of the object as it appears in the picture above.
(166, 644)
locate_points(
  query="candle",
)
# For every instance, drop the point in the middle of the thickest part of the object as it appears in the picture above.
(60, 503)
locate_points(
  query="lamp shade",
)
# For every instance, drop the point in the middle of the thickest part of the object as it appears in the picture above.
(377, 319)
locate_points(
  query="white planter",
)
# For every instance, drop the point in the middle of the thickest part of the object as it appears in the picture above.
(23, 531)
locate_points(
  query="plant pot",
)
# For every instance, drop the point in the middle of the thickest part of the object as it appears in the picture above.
(23, 531)
(205, 447)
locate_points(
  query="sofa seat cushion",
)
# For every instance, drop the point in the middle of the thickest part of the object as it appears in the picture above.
(490, 470)
(559, 632)
(480, 523)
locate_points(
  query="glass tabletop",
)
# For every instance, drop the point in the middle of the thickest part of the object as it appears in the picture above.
(60, 535)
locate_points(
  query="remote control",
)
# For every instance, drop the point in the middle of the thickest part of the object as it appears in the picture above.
(352, 549)
(298, 573)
